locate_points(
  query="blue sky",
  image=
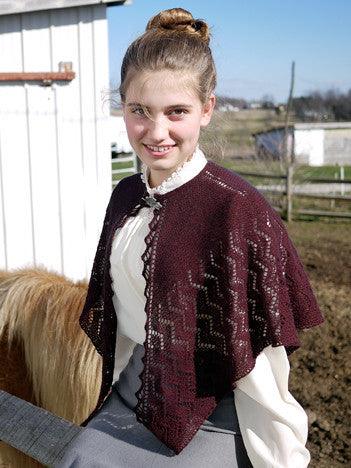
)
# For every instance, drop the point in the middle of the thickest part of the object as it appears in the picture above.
(255, 41)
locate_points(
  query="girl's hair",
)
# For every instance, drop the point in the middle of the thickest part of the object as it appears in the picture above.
(174, 41)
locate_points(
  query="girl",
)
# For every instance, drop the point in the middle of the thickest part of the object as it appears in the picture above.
(196, 292)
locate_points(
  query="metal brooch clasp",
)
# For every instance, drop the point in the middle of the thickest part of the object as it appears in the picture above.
(152, 202)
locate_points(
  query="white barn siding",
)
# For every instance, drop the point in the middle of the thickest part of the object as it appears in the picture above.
(55, 160)
(337, 146)
(118, 134)
(309, 146)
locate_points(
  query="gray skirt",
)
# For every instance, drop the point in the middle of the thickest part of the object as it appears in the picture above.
(114, 437)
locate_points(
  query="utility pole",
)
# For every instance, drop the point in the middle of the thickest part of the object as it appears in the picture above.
(288, 151)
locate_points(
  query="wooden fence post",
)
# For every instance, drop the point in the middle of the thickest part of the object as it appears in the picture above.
(289, 191)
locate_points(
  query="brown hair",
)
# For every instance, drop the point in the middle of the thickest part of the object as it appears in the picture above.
(175, 41)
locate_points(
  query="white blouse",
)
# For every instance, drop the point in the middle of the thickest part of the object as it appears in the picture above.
(272, 423)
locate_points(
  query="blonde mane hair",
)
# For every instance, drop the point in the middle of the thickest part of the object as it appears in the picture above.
(45, 357)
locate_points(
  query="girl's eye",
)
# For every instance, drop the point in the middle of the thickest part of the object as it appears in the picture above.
(138, 111)
(174, 112)
(178, 112)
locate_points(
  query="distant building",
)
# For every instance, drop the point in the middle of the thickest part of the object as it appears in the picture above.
(255, 105)
(55, 141)
(315, 144)
(228, 108)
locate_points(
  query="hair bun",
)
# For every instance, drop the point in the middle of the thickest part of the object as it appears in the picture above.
(178, 19)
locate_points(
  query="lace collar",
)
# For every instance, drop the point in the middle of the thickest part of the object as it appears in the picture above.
(179, 176)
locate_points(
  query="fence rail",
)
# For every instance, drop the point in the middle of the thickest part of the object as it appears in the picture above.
(329, 181)
(289, 193)
(263, 176)
(284, 177)
(307, 195)
(123, 170)
(332, 214)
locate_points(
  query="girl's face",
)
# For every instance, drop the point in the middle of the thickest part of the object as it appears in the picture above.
(166, 134)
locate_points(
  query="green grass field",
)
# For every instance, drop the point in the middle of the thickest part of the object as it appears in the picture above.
(121, 165)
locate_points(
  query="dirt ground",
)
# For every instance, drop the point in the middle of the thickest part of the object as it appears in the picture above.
(320, 370)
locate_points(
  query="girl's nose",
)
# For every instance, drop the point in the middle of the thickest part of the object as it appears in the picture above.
(158, 130)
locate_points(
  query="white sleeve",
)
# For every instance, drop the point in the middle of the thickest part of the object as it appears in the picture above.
(273, 424)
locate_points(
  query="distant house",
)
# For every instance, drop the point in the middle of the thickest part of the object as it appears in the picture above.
(55, 133)
(255, 105)
(315, 144)
(228, 108)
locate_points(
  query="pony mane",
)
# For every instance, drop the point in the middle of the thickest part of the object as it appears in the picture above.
(39, 312)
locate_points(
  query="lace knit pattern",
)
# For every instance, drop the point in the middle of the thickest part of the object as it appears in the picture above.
(223, 281)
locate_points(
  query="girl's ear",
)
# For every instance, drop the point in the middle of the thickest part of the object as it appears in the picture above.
(124, 110)
(207, 111)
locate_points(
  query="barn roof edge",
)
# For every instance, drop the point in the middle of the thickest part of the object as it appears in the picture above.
(12, 7)
(309, 126)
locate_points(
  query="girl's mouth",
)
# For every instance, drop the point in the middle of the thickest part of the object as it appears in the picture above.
(158, 151)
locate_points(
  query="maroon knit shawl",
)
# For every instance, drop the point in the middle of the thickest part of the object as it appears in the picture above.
(223, 281)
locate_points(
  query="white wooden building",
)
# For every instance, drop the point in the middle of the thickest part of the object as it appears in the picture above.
(315, 144)
(118, 135)
(55, 156)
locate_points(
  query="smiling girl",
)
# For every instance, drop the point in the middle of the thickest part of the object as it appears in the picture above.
(196, 293)
(163, 116)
